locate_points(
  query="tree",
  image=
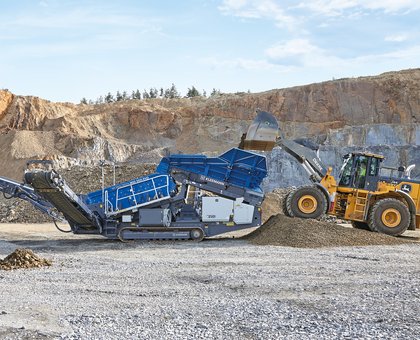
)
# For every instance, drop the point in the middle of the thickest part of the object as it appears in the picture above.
(83, 101)
(136, 94)
(204, 93)
(125, 96)
(100, 100)
(109, 98)
(153, 92)
(118, 96)
(172, 92)
(161, 93)
(215, 92)
(146, 94)
(193, 92)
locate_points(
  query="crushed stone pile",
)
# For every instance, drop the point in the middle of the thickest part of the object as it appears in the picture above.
(273, 202)
(281, 230)
(23, 258)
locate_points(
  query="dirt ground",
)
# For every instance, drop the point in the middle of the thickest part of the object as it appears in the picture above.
(226, 288)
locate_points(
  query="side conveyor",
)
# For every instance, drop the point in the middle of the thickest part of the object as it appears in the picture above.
(13, 189)
(52, 188)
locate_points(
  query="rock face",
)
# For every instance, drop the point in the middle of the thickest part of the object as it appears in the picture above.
(381, 114)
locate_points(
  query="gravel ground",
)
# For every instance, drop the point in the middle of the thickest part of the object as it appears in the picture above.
(214, 289)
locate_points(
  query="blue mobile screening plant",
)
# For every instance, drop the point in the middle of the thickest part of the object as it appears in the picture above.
(188, 197)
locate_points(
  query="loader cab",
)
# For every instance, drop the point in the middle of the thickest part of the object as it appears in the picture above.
(360, 170)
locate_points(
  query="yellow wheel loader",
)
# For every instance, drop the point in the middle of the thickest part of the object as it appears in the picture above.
(364, 194)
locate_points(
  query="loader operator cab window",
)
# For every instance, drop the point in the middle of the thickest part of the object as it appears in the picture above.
(360, 172)
(374, 167)
(345, 173)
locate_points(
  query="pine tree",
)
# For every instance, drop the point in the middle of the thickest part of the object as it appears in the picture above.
(215, 92)
(138, 94)
(193, 92)
(172, 92)
(109, 98)
(161, 94)
(146, 94)
(125, 96)
(153, 93)
(83, 101)
(118, 96)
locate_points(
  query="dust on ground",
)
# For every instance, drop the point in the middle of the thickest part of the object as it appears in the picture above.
(281, 230)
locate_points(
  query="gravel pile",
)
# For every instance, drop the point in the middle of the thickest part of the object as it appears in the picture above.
(281, 230)
(81, 180)
(23, 258)
(273, 201)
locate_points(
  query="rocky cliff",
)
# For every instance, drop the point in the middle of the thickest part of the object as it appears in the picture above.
(379, 113)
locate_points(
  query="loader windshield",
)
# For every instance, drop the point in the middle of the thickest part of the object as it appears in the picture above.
(345, 173)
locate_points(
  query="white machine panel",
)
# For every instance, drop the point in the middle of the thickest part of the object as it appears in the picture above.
(216, 209)
(242, 213)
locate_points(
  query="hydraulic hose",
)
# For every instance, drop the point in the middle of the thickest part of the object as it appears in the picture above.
(62, 230)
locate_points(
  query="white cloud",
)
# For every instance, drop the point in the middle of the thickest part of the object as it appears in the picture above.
(304, 55)
(338, 7)
(295, 47)
(246, 64)
(270, 9)
(396, 37)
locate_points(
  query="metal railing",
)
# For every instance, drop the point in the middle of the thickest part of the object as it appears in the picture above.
(154, 194)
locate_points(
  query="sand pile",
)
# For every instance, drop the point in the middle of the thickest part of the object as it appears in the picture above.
(23, 258)
(281, 230)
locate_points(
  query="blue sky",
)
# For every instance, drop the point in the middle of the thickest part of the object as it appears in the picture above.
(64, 50)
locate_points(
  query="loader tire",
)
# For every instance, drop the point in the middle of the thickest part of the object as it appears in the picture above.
(389, 216)
(307, 202)
(284, 205)
(360, 225)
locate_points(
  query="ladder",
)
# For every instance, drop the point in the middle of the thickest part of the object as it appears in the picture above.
(360, 204)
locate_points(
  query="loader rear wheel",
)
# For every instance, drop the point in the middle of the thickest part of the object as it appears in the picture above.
(284, 206)
(360, 225)
(389, 216)
(307, 202)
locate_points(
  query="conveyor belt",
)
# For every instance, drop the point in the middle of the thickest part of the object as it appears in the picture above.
(42, 183)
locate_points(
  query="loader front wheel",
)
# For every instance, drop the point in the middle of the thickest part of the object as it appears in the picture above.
(389, 216)
(307, 202)
(285, 206)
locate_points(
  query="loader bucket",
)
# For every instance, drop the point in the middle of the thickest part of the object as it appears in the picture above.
(261, 134)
